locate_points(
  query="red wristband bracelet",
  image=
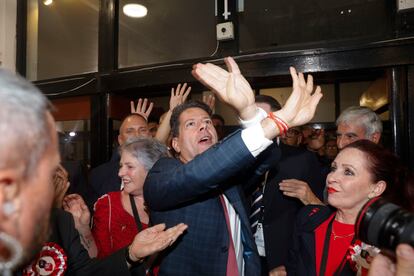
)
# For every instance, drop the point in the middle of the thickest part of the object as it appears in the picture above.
(281, 125)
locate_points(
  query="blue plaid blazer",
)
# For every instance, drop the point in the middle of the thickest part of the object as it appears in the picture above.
(189, 193)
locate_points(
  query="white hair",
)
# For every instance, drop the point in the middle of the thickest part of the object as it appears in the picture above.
(362, 116)
(146, 150)
(24, 130)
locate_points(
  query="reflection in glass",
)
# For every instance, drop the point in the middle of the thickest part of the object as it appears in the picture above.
(74, 140)
(172, 30)
(62, 38)
(300, 24)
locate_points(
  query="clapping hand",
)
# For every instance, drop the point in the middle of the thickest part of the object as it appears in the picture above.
(301, 104)
(75, 205)
(229, 86)
(154, 239)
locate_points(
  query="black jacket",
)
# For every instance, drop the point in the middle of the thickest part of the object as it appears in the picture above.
(78, 262)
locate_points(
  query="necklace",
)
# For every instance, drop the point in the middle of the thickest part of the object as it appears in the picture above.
(341, 236)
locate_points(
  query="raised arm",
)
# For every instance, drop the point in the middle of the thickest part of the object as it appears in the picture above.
(232, 88)
(207, 171)
(178, 96)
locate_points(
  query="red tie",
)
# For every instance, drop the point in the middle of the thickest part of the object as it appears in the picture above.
(232, 267)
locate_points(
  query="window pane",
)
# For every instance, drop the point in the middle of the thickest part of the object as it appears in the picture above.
(72, 117)
(172, 30)
(298, 23)
(325, 111)
(62, 38)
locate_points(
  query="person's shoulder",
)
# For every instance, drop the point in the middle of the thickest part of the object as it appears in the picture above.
(292, 149)
(311, 216)
(299, 154)
(101, 168)
(61, 215)
(103, 202)
(165, 162)
(114, 161)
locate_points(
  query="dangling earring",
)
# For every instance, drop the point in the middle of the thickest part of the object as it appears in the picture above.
(16, 253)
(8, 208)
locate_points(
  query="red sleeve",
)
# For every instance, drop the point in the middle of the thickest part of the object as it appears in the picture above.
(101, 226)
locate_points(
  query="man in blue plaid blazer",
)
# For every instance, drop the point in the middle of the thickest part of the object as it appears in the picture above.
(200, 187)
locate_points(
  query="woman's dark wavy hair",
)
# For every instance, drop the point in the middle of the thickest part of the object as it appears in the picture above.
(384, 165)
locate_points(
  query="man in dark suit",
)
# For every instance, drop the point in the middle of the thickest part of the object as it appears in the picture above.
(104, 178)
(200, 187)
(64, 254)
(279, 211)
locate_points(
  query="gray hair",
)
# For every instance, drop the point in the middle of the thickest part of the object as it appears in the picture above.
(362, 116)
(24, 130)
(146, 150)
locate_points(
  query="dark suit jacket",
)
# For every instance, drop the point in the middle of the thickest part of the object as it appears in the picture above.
(302, 260)
(79, 263)
(104, 179)
(189, 193)
(76, 177)
(279, 210)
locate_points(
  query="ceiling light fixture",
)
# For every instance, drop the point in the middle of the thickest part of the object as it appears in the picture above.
(135, 10)
(47, 2)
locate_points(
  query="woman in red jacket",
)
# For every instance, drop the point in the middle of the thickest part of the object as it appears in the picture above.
(120, 215)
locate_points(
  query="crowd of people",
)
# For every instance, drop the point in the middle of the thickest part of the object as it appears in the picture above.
(275, 197)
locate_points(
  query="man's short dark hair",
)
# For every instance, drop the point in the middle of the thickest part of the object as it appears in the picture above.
(272, 102)
(176, 113)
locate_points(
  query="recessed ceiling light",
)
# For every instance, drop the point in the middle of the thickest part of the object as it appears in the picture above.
(47, 2)
(135, 10)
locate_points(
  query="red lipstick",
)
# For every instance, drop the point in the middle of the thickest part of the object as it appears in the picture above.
(331, 190)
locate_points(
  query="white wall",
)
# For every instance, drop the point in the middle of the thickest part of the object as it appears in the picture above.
(8, 34)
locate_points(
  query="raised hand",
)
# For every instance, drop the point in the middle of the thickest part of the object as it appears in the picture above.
(229, 86)
(179, 95)
(141, 108)
(301, 104)
(209, 100)
(75, 205)
(154, 239)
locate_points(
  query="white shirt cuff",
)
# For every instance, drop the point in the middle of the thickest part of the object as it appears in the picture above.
(260, 115)
(254, 139)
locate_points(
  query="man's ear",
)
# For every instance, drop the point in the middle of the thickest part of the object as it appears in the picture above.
(376, 137)
(10, 180)
(175, 145)
(119, 140)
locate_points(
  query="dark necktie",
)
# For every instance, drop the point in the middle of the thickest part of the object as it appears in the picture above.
(257, 206)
